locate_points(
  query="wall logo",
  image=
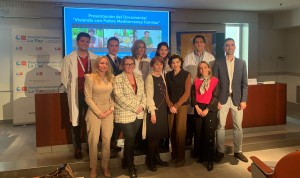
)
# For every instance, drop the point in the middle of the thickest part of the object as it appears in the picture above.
(19, 74)
(21, 89)
(39, 48)
(21, 63)
(39, 73)
(57, 48)
(19, 48)
(21, 37)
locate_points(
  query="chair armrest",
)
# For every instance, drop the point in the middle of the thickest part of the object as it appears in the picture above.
(262, 166)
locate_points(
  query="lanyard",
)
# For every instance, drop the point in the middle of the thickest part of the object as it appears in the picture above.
(83, 68)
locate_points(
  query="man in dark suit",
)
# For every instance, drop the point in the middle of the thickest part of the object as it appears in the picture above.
(232, 74)
(113, 49)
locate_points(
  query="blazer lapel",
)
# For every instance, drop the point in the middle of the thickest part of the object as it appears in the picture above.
(126, 82)
(225, 68)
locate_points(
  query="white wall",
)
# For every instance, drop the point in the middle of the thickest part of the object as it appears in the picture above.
(279, 42)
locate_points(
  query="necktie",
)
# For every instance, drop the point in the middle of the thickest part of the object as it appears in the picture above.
(116, 62)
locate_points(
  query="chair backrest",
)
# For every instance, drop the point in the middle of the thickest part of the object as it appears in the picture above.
(288, 166)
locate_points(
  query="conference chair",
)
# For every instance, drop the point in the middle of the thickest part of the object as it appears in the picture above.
(287, 167)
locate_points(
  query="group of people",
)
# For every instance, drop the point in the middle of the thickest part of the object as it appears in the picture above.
(108, 95)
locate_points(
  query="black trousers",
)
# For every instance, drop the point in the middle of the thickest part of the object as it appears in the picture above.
(116, 133)
(129, 131)
(205, 133)
(190, 127)
(80, 129)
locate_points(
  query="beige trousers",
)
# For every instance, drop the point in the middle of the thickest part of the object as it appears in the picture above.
(96, 126)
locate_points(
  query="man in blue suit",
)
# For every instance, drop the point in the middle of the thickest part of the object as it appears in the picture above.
(232, 74)
(113, 49)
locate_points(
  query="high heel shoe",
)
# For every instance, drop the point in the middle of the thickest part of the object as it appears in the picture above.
(93, 174)
(132, 173)
(210, 166)
(106, 173)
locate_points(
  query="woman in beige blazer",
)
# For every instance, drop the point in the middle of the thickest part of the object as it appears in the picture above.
(98, 91)
(130, 102)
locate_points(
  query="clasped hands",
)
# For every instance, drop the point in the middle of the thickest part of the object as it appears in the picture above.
(103, 115)
(173, 110)
(201, 112)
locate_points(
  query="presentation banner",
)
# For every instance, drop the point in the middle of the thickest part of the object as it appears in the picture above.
(185, 41)
(127, 25)
(37, 58)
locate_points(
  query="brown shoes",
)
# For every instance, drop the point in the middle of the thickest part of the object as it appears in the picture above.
(241, 157)
(219, 156)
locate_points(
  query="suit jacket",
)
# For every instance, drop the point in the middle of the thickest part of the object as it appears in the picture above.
(126, 101)
(239, 81)
(116, 70)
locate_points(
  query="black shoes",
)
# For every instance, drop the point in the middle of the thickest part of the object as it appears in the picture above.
(219, 156)
(78, 154)
(132, 173)
(241, 157)
(160, 162)
(210, 166)
(150, 164)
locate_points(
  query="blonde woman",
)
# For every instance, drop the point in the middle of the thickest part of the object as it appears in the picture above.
(204, 98)
(99, 118)
(142, 62)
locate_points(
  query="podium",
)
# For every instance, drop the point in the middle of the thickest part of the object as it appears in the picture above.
(266, 106)
(52, 119)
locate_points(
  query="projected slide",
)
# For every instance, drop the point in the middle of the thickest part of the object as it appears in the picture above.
(126, 25)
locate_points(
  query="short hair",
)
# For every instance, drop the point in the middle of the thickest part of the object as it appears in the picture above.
(135, 48)
(174, 56)
(156, 59)
(126, 58)
(199, 36)
(82, 34)
(112, 39)
(159, 46)
(146, 32)
(228, 39)
(198, 69)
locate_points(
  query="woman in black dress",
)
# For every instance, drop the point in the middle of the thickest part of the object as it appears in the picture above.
(157, 118)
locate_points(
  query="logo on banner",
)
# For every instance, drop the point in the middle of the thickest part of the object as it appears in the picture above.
(21, 89)
(39, 48)
(21, 63)
(19, 48)
(19, 74)
(21, 37)
(39, 73)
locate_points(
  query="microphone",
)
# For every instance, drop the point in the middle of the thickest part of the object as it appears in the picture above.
(59, 87)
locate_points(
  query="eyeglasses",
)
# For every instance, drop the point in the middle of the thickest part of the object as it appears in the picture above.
(129, 65)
